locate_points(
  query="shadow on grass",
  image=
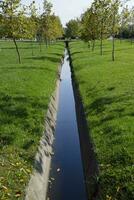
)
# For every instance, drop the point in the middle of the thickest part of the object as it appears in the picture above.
(11, 48)
(20, 115)
(22, 120)
(100, 108)
(109, 51)
(37, 68)
(55, 54)
(47, 58)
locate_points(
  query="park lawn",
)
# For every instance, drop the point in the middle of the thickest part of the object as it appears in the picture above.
(25, 91)
(107, 90)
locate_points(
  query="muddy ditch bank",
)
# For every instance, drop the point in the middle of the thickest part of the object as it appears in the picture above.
(90, 165)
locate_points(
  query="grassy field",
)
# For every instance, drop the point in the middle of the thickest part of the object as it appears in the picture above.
(107, 90)
(25, 91)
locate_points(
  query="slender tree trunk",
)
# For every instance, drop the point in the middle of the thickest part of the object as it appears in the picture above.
(32, 48)
(131, 35)
(40, 46)
(49, 42)
(131, 40)
(120, 38)
(89, 45)
(46, 42)
(101, 48)
(93, 45)
(113, 49)
(121, 35)
(17, 50)
(113, 39)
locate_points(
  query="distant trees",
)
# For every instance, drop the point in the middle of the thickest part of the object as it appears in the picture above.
(102, 10)
(103, 19)
(50, 26)
(95, 23)
(14, 23)
(114, 21)
(22, 22)
(72, 29)
(131, 25)
(124, 20)
(89, 29)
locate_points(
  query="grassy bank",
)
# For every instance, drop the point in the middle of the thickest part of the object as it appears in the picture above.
(25, 91)
(107, 90)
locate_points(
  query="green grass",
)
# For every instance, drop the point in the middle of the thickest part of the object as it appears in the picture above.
(25, 91)
(107, 90)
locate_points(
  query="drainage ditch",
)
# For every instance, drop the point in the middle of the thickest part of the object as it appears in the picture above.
(66, 181)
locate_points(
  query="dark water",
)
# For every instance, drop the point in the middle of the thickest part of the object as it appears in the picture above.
(67, 179)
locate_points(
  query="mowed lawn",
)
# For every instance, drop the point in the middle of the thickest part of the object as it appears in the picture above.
(107, 90)
(25, 91)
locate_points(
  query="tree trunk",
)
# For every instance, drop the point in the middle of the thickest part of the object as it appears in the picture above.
(121, 35)
(120, 38)
(113, 40)
(17, 50)
(113, 49)
(101, 48)
(89, 45)
(131, 35)
(40, 46)
(46, 42)
(93, 45)
(32, 48)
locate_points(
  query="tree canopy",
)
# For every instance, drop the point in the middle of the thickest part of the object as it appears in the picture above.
(19, 22)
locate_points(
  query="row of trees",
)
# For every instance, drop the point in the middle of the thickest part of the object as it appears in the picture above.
(19, 22)
(103, 19)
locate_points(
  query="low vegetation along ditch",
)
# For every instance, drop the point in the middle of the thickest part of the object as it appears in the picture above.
(107, 91)
(25, 91)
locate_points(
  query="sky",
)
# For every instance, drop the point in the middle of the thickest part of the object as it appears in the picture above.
(68, 9)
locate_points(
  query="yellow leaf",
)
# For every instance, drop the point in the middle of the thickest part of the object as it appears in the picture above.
(118, 189)
(4, 187)
(18, 194)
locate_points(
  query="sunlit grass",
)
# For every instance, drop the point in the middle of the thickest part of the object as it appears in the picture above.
(25, 91)
(107, 90)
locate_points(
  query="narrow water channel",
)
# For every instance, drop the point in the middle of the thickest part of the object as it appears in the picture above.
(66, 175)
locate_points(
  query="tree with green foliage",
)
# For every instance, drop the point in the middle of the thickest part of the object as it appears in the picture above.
(72, 29)
(102, 9)
(14, 21)
(114, 22)
(56, 27)
(33, 23)
(124, 20)
(89, 27)
(131, 21)
(46, 21)
(50, 24)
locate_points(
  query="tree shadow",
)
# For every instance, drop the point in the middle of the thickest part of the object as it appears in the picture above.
(37, 68)
(11, 48)
(56, 54)
(47, 58)
(109, 51)
(6, 139)
(77, 52)
(101, 104)
(22, 114)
